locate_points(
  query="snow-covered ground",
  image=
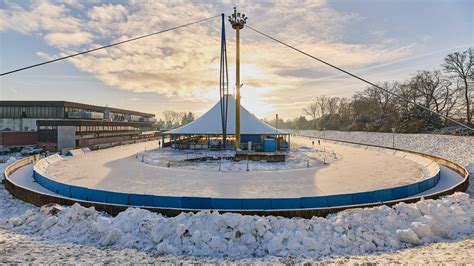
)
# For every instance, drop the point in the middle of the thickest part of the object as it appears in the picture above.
(457, 148)
(21, 248)
(298, 157)
(4, 165)
(234, 236)
(77, 234)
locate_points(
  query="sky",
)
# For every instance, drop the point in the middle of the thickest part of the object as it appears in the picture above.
(379, 40)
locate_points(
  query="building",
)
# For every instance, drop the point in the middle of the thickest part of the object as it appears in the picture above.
(22, 115)
(60, 125)
(206, 131)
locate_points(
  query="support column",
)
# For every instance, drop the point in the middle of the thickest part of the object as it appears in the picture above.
(237, 89)
(237, 21)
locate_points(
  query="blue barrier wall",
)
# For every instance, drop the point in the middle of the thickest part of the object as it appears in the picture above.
(88, 194)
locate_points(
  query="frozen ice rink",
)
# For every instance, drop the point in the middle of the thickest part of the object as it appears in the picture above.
(356, 170)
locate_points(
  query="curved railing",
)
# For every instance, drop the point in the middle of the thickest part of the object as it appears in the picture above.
(114, 202)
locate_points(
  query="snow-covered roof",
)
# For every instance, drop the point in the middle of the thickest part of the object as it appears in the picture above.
(210, 123)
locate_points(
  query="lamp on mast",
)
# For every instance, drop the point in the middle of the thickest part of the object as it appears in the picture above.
(237, 20)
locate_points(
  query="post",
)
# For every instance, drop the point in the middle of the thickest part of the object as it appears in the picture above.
(237, 21)
(393, 137)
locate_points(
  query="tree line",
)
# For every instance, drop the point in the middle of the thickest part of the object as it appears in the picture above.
(173, 119)
(447, 91)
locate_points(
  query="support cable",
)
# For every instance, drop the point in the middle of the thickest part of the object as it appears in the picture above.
(224, 84)
(110, 45)
(359, 78)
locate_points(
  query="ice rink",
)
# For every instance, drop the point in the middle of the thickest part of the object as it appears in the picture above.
(356, 170)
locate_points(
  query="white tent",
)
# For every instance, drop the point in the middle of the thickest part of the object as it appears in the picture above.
(210, 123)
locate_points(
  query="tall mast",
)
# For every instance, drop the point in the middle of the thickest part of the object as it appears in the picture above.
(237, 21)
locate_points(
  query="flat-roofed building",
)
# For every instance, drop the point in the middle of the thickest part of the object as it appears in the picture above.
(22, 115)
(64, 134)
(60, 125)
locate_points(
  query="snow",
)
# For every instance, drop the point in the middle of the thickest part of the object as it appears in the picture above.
(57, 234)
(457, 148)
(4, 166)
(27, 249)
(449, 179)
(74, 152)
(237, 236)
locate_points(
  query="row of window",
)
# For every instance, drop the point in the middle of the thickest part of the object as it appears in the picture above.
(31, 112)
(111, 115)
(57, 112)
(107, 128)
(48, 127)
(98, 128)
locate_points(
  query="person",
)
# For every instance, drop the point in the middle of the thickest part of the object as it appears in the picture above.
(319, 142)
(313, 142)
(159, 144)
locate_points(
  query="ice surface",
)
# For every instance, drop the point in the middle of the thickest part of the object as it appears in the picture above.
(355, 170)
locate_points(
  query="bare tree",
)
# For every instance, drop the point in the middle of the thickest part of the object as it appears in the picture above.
(312, 111)
(384, 98)
(173, 118)
(322, 103)
(436, 91)
(461, 65)
(332, 105)
(453, 92)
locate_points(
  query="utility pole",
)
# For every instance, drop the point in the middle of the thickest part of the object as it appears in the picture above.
(393, 137)
(237, 21)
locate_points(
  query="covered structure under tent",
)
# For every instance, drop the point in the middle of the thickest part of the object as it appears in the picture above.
(206, 132)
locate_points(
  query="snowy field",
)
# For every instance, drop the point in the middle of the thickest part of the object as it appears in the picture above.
(428, 231)
(456, 148)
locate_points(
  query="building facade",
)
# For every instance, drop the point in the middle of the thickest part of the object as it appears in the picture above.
(60, 125)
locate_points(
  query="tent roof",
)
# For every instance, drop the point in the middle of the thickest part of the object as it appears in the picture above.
(210, 123)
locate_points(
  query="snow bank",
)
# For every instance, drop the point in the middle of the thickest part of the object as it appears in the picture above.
(41, 165)
(4, 166)
(75, 152)
(237, 236)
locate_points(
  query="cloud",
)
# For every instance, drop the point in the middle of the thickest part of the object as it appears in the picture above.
(68, 39)
(184, 64)
(39, 16)
(108, 13)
